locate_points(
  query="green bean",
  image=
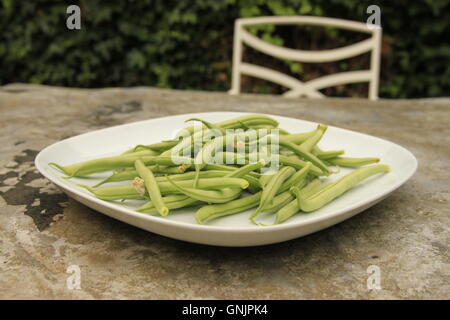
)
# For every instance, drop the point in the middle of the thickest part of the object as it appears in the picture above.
(311, 142)
(298, 138)
(255, 122)
(173, 170)
(240, 158)
(242, 171)
(312, 187)
(335, 189)
(207, 183)
(325, 155)
(205, 154)
(127, 192)
(296, 177)
(282, 198)
(264, 179)
(214, 211)
(231, 158)
(167, 160)
(210, 196)
(102, 164)
(209, 125)
(159, 147)
(235, 158)
(248, 120)
(270, 190)
(253, 184)
(131, 174)
(287, 211)
(292, 208)
(117, 177)
(296, 163)
(137, 189)
(163, 145)
(302, 152)
(222, 167)
(352, 162)
(210, 212)
(190, 175)
(283, 132)
(278, 200)
(268, 127)
(152, 187)
(189, 143)
(174, 201)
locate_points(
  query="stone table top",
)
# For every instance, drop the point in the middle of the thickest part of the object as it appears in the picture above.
(43, 232)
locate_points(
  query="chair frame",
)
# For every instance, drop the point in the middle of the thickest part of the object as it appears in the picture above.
(310, 88)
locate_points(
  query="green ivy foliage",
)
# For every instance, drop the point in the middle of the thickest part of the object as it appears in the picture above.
(188, 44)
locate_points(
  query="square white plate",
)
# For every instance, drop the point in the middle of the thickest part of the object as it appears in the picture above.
(233, 230)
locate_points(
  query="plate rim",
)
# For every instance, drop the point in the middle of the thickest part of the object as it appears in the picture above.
(226, 229)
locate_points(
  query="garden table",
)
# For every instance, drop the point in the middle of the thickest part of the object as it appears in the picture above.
(43, 232)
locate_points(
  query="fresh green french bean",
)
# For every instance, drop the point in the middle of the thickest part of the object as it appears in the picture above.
(335, 189)
(352, 162)
(152, 187)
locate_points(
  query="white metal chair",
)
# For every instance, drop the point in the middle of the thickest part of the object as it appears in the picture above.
(310, 88)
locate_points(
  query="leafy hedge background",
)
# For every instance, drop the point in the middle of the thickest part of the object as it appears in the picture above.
(188, 44)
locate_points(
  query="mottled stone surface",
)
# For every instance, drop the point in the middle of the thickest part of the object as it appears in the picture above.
(42, 232)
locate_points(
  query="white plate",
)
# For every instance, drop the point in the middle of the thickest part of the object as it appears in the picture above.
(233, 230)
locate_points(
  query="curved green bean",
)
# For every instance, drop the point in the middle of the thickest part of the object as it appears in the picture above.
(131, 174)
(296, 178)
(209, 125)
(325, 155)
(137, 189)
(152, 187)
(127, 192)
(271, 188)
(287, 211)
(335, 189)
(242, 171)
(302, 152)
(207, 183)
(228, 168)
(247, 120)
(101, 164)
(352, 162)
(291, 207)
(172, 202)
(210, 196)
(159, 147)
(311, 142)
(298, 138)
(296, 163)
(282, 198)
(214, 211)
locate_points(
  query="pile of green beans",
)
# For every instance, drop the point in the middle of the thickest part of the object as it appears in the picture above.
(180, 173)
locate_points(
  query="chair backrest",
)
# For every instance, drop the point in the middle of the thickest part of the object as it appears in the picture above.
(310, 88)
